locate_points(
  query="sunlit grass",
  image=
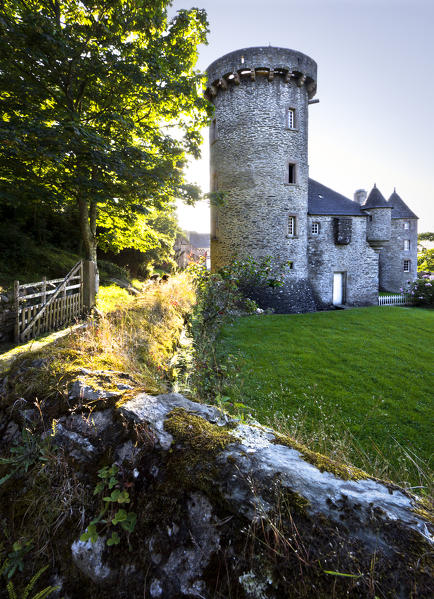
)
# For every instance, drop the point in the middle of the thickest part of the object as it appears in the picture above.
(358, 383)
(135, 334)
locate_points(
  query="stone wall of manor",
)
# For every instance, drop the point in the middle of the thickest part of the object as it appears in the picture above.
(356, 259)
(251, 149)
(393, 277)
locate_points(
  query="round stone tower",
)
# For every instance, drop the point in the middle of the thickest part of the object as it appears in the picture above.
(259, 159)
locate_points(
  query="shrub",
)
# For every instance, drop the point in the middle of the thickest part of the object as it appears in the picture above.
(220, 296)
(421, 291)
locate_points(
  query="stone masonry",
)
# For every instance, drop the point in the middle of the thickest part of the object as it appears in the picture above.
(259, 160)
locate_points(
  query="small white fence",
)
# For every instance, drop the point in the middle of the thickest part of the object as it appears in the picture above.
(398, 299)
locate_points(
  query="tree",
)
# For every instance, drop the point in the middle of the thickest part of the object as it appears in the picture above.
(100, 106)
(425, 256)
(428, 236)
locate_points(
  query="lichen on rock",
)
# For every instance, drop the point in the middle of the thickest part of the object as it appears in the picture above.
(223, 508)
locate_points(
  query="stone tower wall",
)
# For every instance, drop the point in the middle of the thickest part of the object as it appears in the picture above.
(251, 148)
(379, 224)
(392, 256)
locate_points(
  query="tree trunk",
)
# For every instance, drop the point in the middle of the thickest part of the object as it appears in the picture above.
(88, 227)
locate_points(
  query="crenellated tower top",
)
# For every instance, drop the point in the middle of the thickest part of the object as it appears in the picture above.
(262, 61)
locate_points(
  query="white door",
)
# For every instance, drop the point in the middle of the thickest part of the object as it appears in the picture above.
(338, 282)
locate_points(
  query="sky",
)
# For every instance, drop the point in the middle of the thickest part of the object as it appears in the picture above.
(375, 119)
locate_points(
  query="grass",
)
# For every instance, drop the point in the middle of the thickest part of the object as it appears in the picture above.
(136, 334)
(354, 383)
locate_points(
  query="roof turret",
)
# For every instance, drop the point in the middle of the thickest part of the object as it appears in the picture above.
(400, 208)
(375, 200)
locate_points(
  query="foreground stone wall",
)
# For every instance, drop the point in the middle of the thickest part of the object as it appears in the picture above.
(223, 509)
(356, 258)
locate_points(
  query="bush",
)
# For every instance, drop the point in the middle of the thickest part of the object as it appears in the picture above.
(220, 296)
(421, 291)
(109, 269)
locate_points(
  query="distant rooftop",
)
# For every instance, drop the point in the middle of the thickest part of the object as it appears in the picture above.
(199, 240)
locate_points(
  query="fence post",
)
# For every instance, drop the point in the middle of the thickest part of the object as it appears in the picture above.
(89, 284)
(17, 311)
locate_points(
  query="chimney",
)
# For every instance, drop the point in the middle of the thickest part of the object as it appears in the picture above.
(360, 196)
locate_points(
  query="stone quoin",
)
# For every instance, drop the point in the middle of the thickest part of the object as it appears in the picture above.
(340, 251)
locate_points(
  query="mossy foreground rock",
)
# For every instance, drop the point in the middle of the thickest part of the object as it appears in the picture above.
(176, 500)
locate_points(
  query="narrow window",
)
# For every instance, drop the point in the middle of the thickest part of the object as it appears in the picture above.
(406, 265)
(315, 228)
(214, 182)
(214, 222)
(291, 173)
(213, 131)
(291, 118)
(290, 265)
(406, 244)
(406, 225)
(291, 226)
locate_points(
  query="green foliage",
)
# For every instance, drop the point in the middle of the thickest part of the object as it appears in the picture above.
(12, 592)
(425, 260)
(250, 275)
(25, 454)
(100, 107)
(428, 236)
(219, 297)
(356, 384)
(109, 514)
(421, 291)
(15, 559)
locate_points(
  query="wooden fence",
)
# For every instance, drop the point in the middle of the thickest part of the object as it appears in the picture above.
(46, 305)
(398, 299)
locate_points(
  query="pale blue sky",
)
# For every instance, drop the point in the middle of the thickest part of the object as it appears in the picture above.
(374, 122)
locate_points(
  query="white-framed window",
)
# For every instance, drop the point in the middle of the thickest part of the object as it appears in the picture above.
(291, 226)
(406, 244)
(291, 174)
(315, 229)
(291, 118)
(406, 224)
(407, 265)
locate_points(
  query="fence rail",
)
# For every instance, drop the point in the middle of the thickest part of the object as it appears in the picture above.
(44, 306)
(398, 299)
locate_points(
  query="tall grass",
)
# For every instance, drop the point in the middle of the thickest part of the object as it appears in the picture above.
(134, 334)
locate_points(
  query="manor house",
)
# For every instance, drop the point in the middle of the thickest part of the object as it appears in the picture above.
(340, 251)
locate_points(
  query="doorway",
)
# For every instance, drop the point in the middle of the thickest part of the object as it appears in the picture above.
(339, 288)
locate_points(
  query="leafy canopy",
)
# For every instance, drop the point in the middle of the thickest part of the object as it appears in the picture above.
(99, 105)
(425, 256)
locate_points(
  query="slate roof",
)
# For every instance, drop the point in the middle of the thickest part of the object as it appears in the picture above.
(323, 200)
(376, 200)
(199, 240)
(400, 208)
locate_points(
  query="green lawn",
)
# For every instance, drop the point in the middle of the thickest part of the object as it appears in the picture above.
(357, 381)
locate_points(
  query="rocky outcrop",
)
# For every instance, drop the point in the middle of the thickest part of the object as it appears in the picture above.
(178, 500)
